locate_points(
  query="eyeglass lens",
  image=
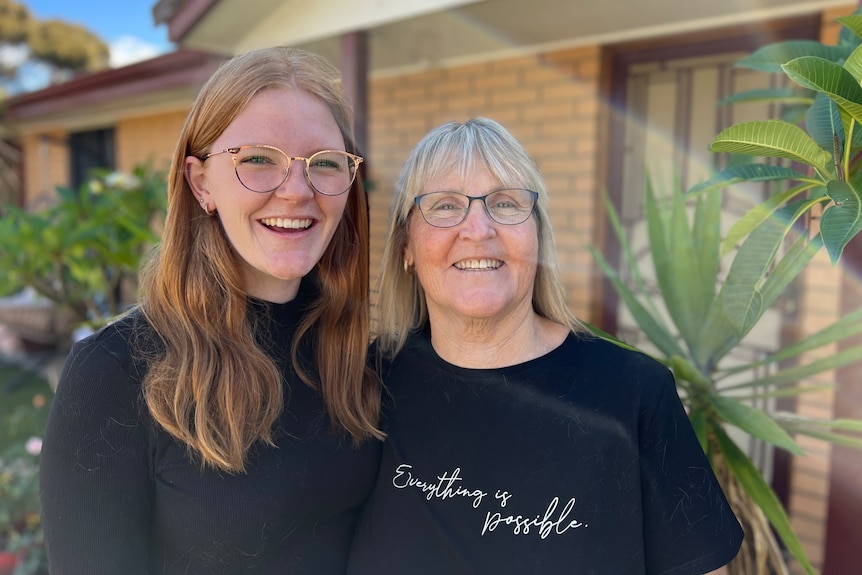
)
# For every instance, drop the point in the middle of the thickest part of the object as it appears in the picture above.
(447, 209)
(263, 169)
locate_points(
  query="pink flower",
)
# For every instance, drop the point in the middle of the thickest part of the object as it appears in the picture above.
(34, 445)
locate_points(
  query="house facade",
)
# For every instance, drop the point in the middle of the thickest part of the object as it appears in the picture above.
(597, 94)
(115, 119)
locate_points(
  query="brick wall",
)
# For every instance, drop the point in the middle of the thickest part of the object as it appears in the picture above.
(550, 102)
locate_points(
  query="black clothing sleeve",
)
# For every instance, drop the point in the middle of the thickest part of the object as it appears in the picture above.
(95, 477)
(681, 495)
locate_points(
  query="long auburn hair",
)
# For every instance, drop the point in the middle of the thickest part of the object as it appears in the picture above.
(211, 385)
(457, 146)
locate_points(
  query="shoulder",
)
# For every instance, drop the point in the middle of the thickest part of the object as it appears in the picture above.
(612, 354)
(598, 358)
(417, 352)
(592, 370)
(114, 337)
(100, 385)
(112, 354)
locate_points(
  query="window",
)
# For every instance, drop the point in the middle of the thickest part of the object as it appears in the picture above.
(88, 151)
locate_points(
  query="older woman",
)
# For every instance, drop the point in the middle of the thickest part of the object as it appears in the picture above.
(518, 443)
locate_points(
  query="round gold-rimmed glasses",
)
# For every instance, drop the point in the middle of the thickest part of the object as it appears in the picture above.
(262, 169)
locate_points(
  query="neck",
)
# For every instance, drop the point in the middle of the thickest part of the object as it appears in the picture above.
(495, 342)
(273, 291)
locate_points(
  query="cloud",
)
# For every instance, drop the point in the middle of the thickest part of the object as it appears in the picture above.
(14, 55)
(127, 50)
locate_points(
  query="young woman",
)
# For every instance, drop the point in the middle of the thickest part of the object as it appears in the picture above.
(228, 424)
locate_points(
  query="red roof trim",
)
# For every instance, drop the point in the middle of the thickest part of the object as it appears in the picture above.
(179, 68)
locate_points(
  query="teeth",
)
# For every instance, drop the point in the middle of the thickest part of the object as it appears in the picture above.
(478, 264)
(286, 223)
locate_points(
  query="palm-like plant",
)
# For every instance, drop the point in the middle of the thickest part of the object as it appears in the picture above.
(813, 162)
(695, 319)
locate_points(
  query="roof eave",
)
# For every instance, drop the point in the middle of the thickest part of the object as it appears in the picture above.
(172, 70)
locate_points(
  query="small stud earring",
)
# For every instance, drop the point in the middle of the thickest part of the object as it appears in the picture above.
(409, 268)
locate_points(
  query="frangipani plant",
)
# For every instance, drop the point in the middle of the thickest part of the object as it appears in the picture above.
(697, 314)
(82, 249)
(827, 95)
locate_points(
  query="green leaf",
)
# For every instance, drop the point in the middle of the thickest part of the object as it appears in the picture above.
(659, 238)
(845, 327)
(754, 422)
(854, 64)
(746, 173)
(677, 268)
(651, 327)
(848, 424)
(771, 57)
(823, 428)
(706, 238)
(788, 95)
(706, 233)
(756, 217)
(752, 481)
(843, 220)
(852, 23)
(717, 335)
(785, 392)
(740, 295)
(834, 438)
(773, 139)
(801, 420)
(797, 373)
(823, 122)
(830, 78)
(630, 262)
(791, 264)
(609, 337)
(698, 422)
(684, 370)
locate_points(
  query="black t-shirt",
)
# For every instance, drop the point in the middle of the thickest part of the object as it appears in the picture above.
(582, 461)
(120, 495)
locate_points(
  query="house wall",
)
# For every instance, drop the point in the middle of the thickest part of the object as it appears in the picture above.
(550, 102)
(148, 139)
(46, 165)
(140, 140)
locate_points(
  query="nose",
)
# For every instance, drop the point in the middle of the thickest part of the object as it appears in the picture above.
(296, 183)
(477, 224)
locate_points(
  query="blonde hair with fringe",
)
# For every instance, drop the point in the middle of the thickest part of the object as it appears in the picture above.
(458, 147)
(211, 386)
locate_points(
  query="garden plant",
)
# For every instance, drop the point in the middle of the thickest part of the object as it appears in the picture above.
(711, 291)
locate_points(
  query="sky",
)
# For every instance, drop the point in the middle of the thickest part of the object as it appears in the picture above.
(126, 26)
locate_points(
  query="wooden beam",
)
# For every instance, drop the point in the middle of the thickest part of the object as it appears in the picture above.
(354, 77)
